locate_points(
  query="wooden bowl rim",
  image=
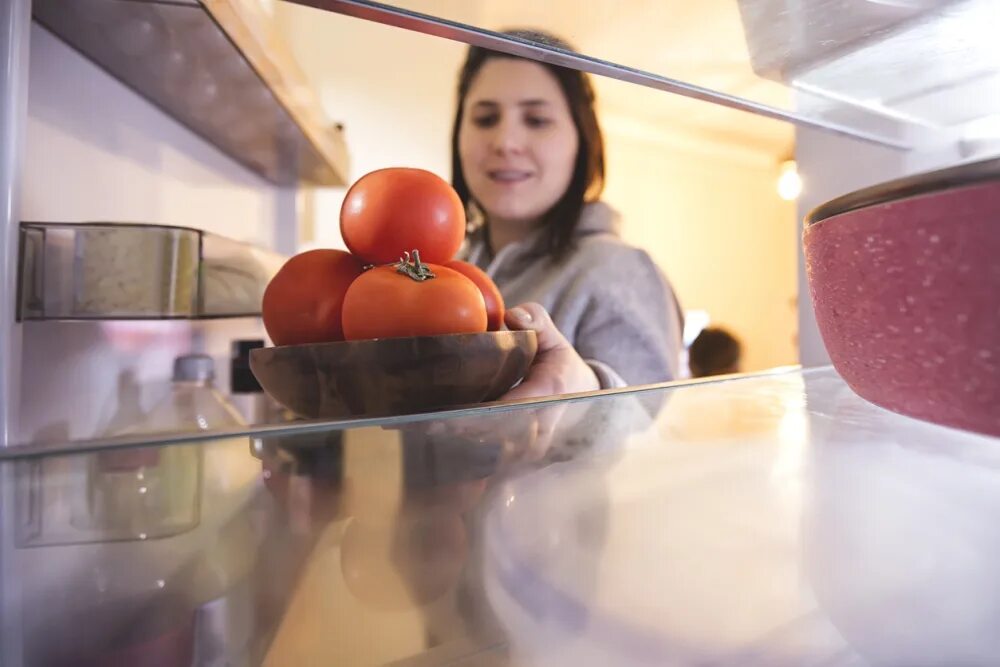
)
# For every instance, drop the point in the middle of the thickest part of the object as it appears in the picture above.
(528, 334)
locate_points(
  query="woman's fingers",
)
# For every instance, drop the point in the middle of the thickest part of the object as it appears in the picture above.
(533, 317)
(557, 368)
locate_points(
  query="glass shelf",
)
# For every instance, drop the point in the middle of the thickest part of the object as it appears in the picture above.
(902, 73)
(215, 67)
(770, 519)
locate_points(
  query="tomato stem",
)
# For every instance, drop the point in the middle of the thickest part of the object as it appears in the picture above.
(414, 268)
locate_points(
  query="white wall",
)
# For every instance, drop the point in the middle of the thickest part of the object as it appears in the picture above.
(392, 89)
(97, 151)
(707, 211)
(712, 219)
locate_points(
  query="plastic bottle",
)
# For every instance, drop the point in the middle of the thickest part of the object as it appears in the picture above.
(193, 404)
(146, 492)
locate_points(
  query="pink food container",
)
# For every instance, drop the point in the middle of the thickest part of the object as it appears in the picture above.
(905, 282)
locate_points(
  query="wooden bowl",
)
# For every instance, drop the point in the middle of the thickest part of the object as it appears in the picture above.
(390, 376)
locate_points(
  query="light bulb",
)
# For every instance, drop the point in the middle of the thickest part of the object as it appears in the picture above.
(789, 181)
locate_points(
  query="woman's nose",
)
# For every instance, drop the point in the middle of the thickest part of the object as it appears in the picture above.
(508, 137)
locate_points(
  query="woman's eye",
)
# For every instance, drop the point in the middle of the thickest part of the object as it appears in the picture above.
(487, 120)
(534, 121)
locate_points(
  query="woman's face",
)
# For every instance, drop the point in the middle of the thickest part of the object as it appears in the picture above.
(517, 141)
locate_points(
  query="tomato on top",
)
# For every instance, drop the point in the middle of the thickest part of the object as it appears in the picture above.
(389, 212)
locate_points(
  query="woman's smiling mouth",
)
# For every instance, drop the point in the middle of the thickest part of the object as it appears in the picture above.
(508, 176)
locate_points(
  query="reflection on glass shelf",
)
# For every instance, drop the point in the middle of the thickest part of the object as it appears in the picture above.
(895, 72)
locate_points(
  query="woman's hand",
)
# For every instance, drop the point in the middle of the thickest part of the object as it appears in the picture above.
(557, 368)
(526, 435)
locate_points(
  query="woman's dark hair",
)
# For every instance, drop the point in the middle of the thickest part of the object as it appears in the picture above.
(588, 171)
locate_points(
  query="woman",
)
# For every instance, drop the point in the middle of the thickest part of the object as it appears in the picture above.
(528, 162)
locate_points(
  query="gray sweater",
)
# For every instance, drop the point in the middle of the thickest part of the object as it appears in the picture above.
(609, 299)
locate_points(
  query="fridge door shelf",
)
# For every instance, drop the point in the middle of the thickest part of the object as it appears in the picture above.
(114, 271)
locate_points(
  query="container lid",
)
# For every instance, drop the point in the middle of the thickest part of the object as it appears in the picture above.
(194, 368)
(909, 186)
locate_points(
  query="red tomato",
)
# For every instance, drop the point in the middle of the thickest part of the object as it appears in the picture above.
(302, 303)
(384, 303)
(392, 211)
(491, 293)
